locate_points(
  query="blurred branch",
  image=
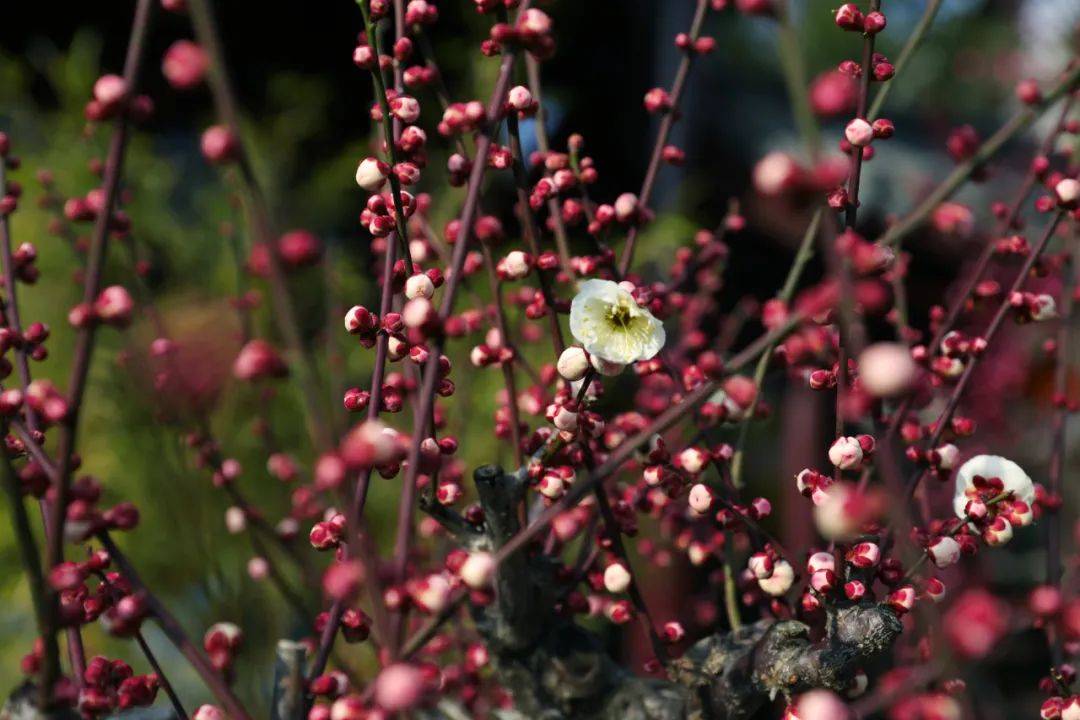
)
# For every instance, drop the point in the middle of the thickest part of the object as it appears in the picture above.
(913, 42)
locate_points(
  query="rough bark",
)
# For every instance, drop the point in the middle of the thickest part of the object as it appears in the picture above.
(557, 669)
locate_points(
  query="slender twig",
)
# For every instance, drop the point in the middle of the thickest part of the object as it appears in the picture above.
(913, 42)
(225, 105)
(805, 252)
(793, 64)
(431, 368)
(175, 632)
(1056, 469)
(996, 322)
(174, 699)
(28, 555)
(651, 173)
(1019, 122)
(84, 342)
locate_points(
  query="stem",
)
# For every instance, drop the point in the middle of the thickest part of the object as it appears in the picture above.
(913, 42)
(904, 227)
(431, 368)
(794, 66)
(988, 336)
(28, 555)
(805, 252)
(666, 124)
(84, 342)
(225, 106)
(165, 684)
(175, 632)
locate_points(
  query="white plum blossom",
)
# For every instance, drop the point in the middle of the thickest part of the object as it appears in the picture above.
(608, 322)
(1013, 477)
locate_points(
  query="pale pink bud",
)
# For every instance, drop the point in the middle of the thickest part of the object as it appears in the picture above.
(573, 363)
(399, 687)
(944, 551)
(780, 581)
(700, 498)
(886, 369)
(477, 570)
(235, 520)
(519, 98)
(761, 565)
(371, 174)
(859, 132)
(1068, 192)
(846, 453)
(693, 460)
(110, 89)
(626, 207)
(616, 578)
(674, 632)
(775, 174)
(821, 705)
(419, 286)
(820, 561)
(208, 712)
(114, 306)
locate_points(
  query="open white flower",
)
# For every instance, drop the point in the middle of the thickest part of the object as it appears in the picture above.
(609, 323)
(986, 468)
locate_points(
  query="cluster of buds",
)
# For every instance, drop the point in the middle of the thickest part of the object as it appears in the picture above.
(849, 17)
(532, 31)
(773, 574)
(379, 213)
(327, 534)
(111, 96)
(851, 453)
(880, 67)
(221, 642)
(1032, 307)
(113, 306)
(993, 511)
(111, 685)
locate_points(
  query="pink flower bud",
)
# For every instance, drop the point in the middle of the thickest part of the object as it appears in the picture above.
(1068, 192)
(208, 712)
(419, 286)
(761, 565)
(821, 705)
(859, 132)
(700, 498)
(110, 89)
(520, 98)
(257, 360)
(114, 306)
(780, 581)
(674, 632)
(944, 551)
(219, 145)
(477, 570)
(184, 65)
(399, 687)
(371, 174)
(846, 453)
(886, 369)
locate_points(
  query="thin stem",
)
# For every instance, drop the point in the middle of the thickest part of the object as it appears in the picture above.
(802, 256)
(668, 122)
(84, 342)
(1019, 122)
(174, 699)
(913, 42)
(407, 503)
(225, 105)
(175, 633)
(28, 555)
(793, 64)
(991, 330)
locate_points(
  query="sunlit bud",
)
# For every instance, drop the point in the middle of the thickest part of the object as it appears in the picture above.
(399, 687)
(405, 108)
(859, 132)
(616, 578)
(886, 369)
(693, 460)
(854, 590)
(780, 581)
(761, 564)
(477, 570)
(359, 320)
(846, 453)
(998, 532)
(419, 286)
(823, 581)
(674, 632)
(700, 499)
(820, 561)
(944, 551)
(520, 98)
(864, 555)
(235, 520)
(626, 207)
(1068, 192)
(935, 589)
(371, 174)
(573, 363)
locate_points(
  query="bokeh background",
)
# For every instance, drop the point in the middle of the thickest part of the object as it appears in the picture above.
(305, 115)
